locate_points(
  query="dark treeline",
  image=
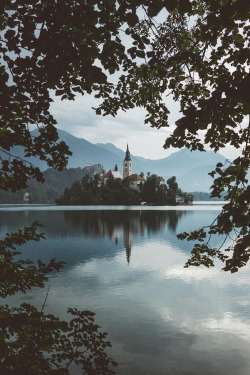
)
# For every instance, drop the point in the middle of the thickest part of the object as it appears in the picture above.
(116, 191)
(105, 223)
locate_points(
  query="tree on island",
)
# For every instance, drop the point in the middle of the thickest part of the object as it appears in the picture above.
(197, 52)
(92, 191)
(155, 193)
(172, 188)
(116, 192)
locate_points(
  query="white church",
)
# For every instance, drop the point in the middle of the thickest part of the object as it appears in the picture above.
(135, 179)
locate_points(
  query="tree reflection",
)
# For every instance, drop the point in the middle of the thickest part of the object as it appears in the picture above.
(111, 223)
(121, 225)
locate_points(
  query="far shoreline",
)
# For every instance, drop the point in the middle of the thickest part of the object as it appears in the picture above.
(203, 205)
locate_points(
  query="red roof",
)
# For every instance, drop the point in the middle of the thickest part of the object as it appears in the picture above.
(107, 175)
(136, 177)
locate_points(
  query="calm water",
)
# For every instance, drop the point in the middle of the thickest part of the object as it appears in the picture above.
(127, 266)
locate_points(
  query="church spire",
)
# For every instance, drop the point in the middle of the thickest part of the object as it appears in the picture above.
(127, 155)
(127, 164)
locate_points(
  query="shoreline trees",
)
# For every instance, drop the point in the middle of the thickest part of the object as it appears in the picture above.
(90, 191)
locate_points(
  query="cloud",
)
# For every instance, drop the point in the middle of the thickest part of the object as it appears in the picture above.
(79, 119)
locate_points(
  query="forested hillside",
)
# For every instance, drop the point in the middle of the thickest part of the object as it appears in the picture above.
(53, 186)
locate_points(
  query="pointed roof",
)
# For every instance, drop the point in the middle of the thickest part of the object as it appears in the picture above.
(127, 155)
(115, 174)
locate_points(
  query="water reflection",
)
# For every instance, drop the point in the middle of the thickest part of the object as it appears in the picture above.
(121, 228)
(94, 222)
(116, 224)
(162, 319)
(112, 223)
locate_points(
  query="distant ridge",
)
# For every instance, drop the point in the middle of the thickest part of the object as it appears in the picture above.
(190, 168)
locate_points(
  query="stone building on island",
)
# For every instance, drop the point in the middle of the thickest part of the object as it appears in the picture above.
(112, 173)
(127, 164)
(135, 180)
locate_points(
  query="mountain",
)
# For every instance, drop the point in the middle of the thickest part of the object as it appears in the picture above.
(196, 179)
(112, 148)
(83, 152)
(190, 168)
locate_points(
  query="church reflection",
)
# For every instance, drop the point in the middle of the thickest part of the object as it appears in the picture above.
(127, 239)
(121, 226)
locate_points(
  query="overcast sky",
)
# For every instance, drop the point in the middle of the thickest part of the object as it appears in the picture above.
(79, 119)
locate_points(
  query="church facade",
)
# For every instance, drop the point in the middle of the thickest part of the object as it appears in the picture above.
(112, 173)
(135, 180)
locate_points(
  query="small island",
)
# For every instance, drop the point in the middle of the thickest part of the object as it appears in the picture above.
(132, 189)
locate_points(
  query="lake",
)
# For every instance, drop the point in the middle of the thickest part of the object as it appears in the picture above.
(126, 265)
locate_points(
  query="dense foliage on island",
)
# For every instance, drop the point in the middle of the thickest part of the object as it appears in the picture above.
(116, 191)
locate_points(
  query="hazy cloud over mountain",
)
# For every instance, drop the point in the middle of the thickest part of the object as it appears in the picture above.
(79, 119)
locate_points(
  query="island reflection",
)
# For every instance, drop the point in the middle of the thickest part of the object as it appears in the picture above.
(122, 224)
(110, 223)
(78, 236)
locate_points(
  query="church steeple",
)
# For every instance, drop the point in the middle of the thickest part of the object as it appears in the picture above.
(127, 155)
(127, 164)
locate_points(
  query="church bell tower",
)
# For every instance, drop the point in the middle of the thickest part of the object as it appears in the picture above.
(127, 164)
